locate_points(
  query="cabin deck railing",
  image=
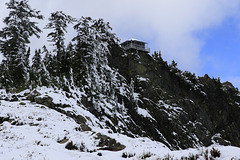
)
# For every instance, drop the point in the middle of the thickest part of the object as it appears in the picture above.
(133, 46)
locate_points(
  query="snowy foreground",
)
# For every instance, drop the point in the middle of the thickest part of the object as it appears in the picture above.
(32, 131)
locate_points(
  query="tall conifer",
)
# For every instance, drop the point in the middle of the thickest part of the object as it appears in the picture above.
(14, 39)
(58, 22)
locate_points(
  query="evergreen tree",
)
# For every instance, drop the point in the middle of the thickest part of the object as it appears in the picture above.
(157, 56)
(174, 69)
(5, 82)
(27, 67)
(48, 60)
(59, 22)
(67, 59)
(81, 48)
(104, 32)
(27, 55)
(15, 37)
(37, 60)
(92, 47)
(38, 73)
(35, 68)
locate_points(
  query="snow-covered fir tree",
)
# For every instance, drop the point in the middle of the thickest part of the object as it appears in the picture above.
(58, 23)
(93, 42)
(14, 39)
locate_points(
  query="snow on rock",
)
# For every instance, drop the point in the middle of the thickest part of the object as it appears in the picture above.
(143, 79)
(144, 113)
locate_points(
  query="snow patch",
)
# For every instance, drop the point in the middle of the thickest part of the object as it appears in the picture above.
(144, 113)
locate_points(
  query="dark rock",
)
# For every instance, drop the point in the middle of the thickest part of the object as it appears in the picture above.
(63, 105)
(22, 103)
(64, 140)
(33, 124)
(31, 96)
(3, 119)
(107, 143)
(85, 127)
(17, 123)
(6, 99)
(46, 100)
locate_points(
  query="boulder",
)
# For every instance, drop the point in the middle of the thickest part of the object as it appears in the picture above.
(45, 100)
(107, 143)
(31, 96)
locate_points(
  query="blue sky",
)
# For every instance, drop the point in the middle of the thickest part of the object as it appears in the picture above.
(202, 36)
(221, 51)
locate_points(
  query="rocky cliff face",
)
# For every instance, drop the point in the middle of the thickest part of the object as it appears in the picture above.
(182, 110)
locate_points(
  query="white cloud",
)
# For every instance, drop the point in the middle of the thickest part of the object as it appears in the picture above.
(167, 25)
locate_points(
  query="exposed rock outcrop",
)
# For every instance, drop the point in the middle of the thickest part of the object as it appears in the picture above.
(187, 110)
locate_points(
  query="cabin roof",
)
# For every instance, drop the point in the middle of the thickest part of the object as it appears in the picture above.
(133, 40)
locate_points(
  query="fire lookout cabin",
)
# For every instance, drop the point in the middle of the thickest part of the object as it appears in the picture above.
(133, 44)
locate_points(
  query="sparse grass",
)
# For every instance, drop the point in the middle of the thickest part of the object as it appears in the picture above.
(127, 155)
(168, 157)
(191, 157)
(146, 155)
(82, 147)
(206, 155)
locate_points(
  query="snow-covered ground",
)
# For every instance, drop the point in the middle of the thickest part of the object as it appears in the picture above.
(33, 131)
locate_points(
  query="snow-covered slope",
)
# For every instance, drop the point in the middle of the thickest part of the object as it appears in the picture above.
(29, 130)
(101, 101)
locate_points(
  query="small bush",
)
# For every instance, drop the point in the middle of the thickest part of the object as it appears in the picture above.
(99, 154)
(193, 157)
(190, 157)
(82, 147)
(215, 153)
(168, 157)
(127, 155)
(146, 155)
(71, 146)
